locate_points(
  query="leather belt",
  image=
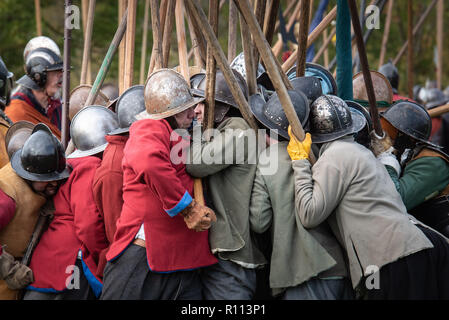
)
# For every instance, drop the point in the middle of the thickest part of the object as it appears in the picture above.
(139, 242)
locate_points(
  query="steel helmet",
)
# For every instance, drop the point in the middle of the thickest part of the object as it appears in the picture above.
(410, 118)
(272, 115)
(5, 85)
(16, 136)
(331, 118)
(238, 64)
(382, 87)
(129, 104)
(222, 91)
(41, 158)
(328, 84)
(78, 98)
(39, 62)
(391, 73)
(434, 98)
(166, 93)
(310, 86)
(40, 42)
(89, 128)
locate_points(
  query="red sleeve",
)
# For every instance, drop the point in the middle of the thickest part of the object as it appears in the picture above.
(154, 166)
(7, 209)
(89, 225)
(107, 192)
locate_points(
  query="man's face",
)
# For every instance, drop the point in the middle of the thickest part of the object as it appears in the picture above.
(54, 82)
(184, 119)
(199, 112)
(45, 189)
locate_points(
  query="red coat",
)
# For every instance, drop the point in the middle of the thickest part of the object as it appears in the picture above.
(107, 189)
(7, 210)
(155, 190)
(77, 224)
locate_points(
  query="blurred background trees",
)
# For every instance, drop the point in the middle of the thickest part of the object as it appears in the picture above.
(18, 25)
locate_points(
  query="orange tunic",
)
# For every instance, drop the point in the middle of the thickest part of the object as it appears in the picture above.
(21, 110)
(4, 159)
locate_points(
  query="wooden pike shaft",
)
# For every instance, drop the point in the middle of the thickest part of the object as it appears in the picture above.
(182, 42)
(277, 48)
(201, 43)
(325, 45)
(159, 31)
(87, 41)
(66, 78)
(365, 68)
(222, 62)
(104, 68)
(143, 53)
(302, 38)
(157, 39)
(211, 70)
(418, 25)
(386, 33)
(312, 37)
(167, 31)
(119, 34)
(438, 111)
(37, 8)
(232, 35)
(195, 39)
(247, 52)
(122, 50)
(130, 43)
(259, 11)
(440, 40)
(410, 74)
(270, 20)
(272, 69)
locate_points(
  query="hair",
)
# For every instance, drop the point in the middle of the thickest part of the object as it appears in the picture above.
(172, 122)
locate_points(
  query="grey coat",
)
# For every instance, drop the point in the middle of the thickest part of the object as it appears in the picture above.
(350, 188)
(229, 185)
(298, 254)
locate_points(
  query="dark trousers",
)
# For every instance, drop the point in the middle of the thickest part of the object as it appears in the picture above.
(419, 276)
(130, 278)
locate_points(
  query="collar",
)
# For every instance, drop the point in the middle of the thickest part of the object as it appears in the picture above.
(325, 146)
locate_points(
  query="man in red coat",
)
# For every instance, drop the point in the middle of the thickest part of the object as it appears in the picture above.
(161, 240)
(108, 179)
(66, 259)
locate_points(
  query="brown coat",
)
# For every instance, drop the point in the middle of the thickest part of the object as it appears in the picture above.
(17, 233)
(4, 159)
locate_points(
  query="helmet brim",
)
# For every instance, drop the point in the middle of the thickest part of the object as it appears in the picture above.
(169, 113)
(358, 122)
(84, 153)
(118, 131)
(16, 164)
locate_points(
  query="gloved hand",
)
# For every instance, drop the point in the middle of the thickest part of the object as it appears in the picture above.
(16, 275)
(198, 217)
(387, 158)
(296, 149)
(380, 144)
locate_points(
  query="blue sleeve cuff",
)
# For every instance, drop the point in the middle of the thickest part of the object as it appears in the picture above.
(182, 204)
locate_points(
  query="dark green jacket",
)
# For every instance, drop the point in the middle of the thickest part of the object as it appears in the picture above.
(228, 166)
(421, 180)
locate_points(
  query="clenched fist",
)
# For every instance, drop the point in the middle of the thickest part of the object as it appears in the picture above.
(198, 217)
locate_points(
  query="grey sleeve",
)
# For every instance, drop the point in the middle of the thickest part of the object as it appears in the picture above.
(260, 210)
(317, 194)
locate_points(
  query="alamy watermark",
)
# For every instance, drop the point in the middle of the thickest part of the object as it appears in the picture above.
(372, 21)
(72, 21)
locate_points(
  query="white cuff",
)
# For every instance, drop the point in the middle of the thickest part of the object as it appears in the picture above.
(387, 158)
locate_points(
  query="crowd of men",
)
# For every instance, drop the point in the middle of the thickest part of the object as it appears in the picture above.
(344, 214)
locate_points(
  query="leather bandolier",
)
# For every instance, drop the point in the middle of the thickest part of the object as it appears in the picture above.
(16, 235)
(435, 211)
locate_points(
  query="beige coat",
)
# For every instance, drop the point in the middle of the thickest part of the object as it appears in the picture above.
(351, 188)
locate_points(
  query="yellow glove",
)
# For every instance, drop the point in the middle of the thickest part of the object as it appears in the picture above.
(296, 149)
